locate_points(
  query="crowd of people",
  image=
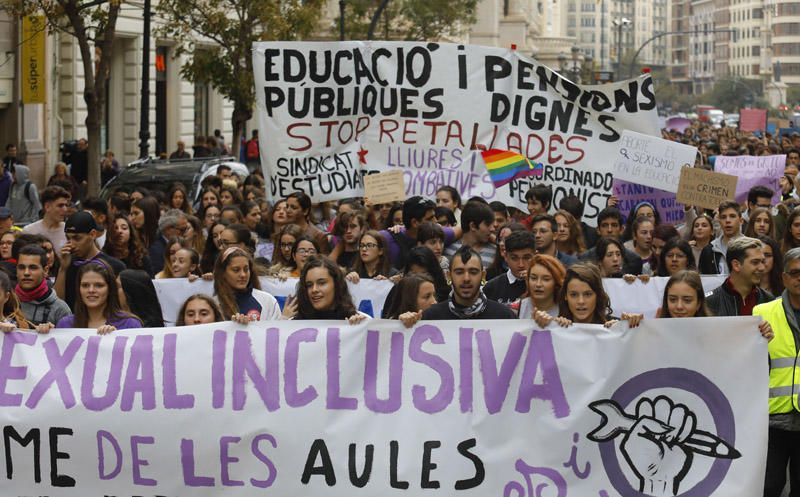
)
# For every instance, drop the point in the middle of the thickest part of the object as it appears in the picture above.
(451, 258)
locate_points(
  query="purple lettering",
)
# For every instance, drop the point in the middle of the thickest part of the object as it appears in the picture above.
(114, 373)
(244, 364)
(444, 396)
(218, 369)
(187, 462)
(542, 356)
(273, 473)
(101, 455)
(140, 377)
(172, 399)
(495, 384)
(465, 363)
(9, 372)
(225, 459)
(57, 374)
(335, 399)
(136, 462)
(395, 375)
(295, 398)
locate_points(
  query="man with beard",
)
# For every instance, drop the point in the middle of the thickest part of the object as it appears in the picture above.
(467, 300)
(741, 292)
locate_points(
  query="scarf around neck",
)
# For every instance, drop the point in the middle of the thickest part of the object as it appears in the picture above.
(472, 311)
(31, 295)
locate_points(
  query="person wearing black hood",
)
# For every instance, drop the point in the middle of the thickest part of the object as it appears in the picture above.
(136, 291)
(37, 301)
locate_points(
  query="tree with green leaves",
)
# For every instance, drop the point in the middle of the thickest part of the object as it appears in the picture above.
(93, 25)
(218, 36)
(411, 20)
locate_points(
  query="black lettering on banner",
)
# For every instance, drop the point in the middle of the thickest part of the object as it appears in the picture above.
(480, 472)
(318, 448)
(313, 66)
(394, 449)
(56, 479)
(361, 480)
(495, 68)
(462, 68)
(269, 74)
(380, 52)
(428, 465)
(647, 91)
(290, 55)
(33, 436)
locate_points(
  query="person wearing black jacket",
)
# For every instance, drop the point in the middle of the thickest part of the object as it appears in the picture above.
(508, 287)
(467, 300)
(741, 292)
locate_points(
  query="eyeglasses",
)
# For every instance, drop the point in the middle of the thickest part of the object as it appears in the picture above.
(794, 273)
(287, 245)
(306, 251)
(367, 246)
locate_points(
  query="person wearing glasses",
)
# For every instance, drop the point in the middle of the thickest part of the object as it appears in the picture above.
(81, 232)
(303, 248)
(784, 427)
(373, 259)
(171, 224)
(740, 292)
(676, 255)
(38, 302)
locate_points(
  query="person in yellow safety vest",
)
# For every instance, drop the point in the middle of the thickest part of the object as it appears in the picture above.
(784, 381)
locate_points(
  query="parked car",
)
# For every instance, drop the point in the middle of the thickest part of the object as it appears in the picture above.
(158, 174)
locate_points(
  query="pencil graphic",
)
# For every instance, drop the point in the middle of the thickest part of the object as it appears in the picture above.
(615, 422)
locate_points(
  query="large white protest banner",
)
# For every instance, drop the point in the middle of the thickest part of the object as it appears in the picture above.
(330, 111)
(486, 408)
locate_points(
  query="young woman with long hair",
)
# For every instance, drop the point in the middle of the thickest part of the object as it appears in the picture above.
(209, 197)
(212, 250)
(610, 253)
(199, 309)
(416, 293)
(373, 259)
(238, 290)
(583, 299)
(194, 233)
(278, 218)
(569, 237)
(11, 316)
(544, 281)
(699, 237)
(676, 255)
(322, 293)
(772, 279)
(210, 215)
(172, 247)
(760, 223)
(230, 195)
(684, 296)
(447, 196)
(178, 198)
(641, 243)
(298, 210)
(791, 234)
(123, 242)
(144, 216)
(98, 305)
(186, 264)
(642, 209)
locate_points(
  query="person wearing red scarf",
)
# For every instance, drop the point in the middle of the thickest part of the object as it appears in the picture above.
(37, 301)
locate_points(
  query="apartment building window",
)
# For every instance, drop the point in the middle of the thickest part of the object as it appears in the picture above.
(571, 7)
(790, 69)
(571, 23)
(787, 29)
(587, 7)
(202, 96)
(756, 51)
(788, 9)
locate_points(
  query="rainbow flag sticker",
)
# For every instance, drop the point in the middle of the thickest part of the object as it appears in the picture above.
(505, 166)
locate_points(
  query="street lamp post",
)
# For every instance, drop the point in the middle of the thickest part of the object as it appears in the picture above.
(620, 24)
(144, 116)
(574, 69)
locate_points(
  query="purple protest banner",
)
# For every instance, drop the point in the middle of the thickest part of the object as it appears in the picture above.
(629, 194)
(752, 170)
